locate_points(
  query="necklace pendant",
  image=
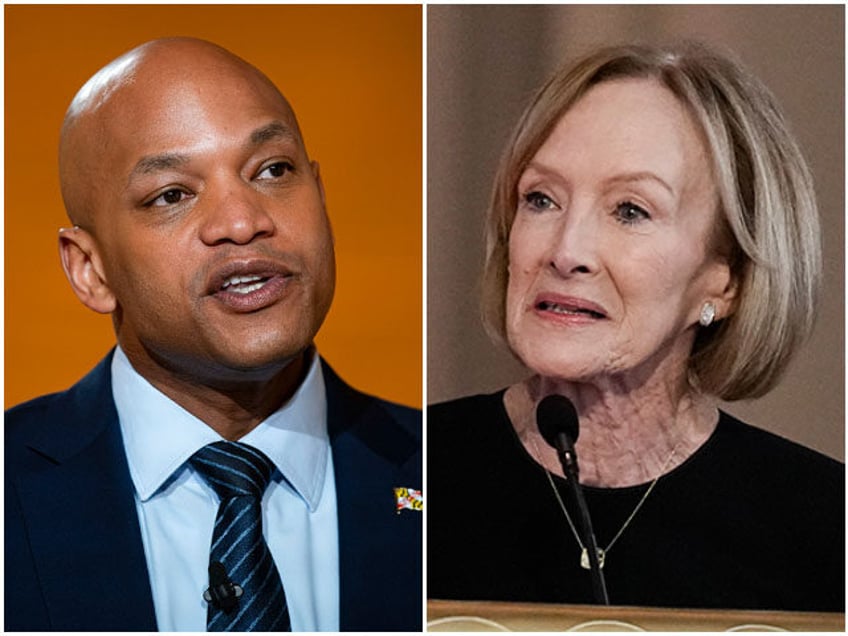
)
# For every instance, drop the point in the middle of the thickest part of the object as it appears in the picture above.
(584, 559)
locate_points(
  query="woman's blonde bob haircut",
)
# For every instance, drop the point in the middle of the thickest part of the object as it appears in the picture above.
(769, 226)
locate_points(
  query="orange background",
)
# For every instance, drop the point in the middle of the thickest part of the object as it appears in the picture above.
(352, 74)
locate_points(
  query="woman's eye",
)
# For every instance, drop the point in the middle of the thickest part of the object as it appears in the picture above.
(539, 201)
(629, 213)
(169, 197)
(275, 170)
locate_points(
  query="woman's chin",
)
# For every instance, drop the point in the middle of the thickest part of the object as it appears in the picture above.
(569, 356)
(565, 368)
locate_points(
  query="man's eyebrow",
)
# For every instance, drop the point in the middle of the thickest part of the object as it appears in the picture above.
(270, 132)
(156, 163)
(170, 160)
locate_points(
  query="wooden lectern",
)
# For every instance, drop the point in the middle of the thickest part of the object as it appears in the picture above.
(468, 616)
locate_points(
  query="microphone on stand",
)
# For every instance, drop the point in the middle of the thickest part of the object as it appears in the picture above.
(557, 420)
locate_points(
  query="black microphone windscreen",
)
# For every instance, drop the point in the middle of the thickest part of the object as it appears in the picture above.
(554, 415)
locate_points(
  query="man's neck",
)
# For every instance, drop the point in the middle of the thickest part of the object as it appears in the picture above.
(231, 408)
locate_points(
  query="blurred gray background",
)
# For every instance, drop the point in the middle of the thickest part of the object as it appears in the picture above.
(485, 62)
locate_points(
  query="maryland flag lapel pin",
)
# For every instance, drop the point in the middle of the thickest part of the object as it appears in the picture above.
(408, 499)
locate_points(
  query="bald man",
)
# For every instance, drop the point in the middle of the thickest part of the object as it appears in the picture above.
(198, 223)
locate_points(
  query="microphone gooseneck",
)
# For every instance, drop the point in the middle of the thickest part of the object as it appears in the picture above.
(558, 423)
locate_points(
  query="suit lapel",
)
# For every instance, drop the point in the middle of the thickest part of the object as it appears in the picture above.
(83, 526)
(379, 549)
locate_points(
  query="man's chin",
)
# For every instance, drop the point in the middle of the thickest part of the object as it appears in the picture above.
(258, 364)
(221, 366)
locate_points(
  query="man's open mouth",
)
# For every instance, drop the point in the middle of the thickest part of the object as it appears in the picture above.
(244, 284)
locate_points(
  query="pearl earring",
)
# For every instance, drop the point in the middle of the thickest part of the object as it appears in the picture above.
(708, 312)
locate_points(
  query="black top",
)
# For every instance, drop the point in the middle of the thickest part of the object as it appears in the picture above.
(750, 521)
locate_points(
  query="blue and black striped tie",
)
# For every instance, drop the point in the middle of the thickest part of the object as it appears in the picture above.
(239, 475)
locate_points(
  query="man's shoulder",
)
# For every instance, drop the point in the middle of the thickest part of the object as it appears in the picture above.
(406, 416)
(59, 421)
(31, 410)
(35, 418)
(358, 403)
(390, 430)
(21, 420)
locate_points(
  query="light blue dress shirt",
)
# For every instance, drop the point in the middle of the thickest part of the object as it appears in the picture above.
(177, 509)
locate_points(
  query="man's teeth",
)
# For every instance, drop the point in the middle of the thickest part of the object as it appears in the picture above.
(243, 284)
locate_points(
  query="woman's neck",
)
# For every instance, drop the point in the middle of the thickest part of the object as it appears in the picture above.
(629, 435)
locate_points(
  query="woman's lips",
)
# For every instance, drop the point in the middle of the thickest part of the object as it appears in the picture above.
(568, 309)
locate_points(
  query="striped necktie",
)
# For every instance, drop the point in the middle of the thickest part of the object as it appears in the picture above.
(239, 475)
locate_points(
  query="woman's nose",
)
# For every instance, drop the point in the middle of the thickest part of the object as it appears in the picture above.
(574, 248)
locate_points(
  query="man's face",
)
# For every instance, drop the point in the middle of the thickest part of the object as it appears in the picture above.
(209, 220)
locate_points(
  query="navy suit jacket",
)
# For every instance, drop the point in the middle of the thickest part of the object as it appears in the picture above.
(74, 554)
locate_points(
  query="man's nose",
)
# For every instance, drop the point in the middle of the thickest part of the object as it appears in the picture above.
(237, 215)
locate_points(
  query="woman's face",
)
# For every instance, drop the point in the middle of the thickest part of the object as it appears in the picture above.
(609, 254)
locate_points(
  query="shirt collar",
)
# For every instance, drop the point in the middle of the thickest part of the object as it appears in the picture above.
(160, 436)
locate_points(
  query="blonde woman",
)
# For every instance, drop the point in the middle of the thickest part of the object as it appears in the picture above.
(653, 244)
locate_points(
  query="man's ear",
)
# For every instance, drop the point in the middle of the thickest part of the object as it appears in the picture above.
(84, 270)
(316, 172)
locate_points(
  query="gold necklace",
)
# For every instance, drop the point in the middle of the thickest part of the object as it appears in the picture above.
(602, 552)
